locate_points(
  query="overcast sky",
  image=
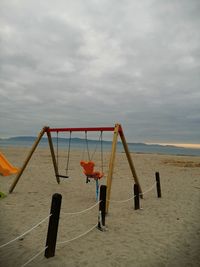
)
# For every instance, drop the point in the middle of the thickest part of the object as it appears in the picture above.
(76, 63)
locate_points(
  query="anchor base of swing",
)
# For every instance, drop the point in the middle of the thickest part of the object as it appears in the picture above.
(102, 228)
(91, 177)
(62, 176)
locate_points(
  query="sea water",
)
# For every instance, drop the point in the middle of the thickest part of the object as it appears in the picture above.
(94, 145)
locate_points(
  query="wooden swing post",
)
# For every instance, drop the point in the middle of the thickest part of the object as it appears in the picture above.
(111, 164)
(118, 131)
(55, 165)
(130, 161)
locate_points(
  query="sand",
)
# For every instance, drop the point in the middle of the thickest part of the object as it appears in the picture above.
(164, 232)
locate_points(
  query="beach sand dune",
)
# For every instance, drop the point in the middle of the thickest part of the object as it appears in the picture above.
(165, 232)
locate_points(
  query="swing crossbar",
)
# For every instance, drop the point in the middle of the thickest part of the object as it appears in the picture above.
(87, 129)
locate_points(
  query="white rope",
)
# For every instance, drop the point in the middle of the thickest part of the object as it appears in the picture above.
(148, 189)
(126, 200)
(82, 211)
(121, 201)
(34, 256)
(62, 242)
(25, 232)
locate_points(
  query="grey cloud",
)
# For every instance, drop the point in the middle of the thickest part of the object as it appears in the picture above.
(79, 63)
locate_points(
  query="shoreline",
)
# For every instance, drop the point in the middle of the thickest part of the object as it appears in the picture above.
(106, 150)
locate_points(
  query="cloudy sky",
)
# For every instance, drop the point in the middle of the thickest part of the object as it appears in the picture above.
(73, 63)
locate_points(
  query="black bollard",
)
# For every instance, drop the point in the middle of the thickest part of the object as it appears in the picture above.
(158, 184)
(137, 196)
(102, 206)
(53, 225)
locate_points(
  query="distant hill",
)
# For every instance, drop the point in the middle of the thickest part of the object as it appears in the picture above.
(44, 139)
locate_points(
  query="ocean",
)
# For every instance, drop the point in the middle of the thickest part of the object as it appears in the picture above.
(94, 145)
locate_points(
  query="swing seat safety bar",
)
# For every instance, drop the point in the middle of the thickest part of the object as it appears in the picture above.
(62, 176)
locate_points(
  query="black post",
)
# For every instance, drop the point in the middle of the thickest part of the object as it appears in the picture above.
(158, 184)
(137, 196)
(102, 205)
(53, 225)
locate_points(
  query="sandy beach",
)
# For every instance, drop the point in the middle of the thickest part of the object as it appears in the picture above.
(164, 232)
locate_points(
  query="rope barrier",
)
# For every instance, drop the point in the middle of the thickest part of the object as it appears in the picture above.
(67, 241)
(69, 213)
(121, 201)
(82, 211)
(34, 257)
(148, 189)
(28, 231)
(126, 200)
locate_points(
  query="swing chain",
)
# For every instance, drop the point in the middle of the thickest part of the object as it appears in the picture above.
(100, 139)
(87, 146)
(57, 148)
(57, 157)
(68, 152)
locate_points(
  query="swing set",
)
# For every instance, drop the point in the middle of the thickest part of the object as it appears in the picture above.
(88, 166)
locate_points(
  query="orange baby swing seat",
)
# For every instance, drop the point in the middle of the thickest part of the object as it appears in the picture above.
(88, 167)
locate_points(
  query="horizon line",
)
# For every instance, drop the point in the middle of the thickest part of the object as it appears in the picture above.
(184, 145)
